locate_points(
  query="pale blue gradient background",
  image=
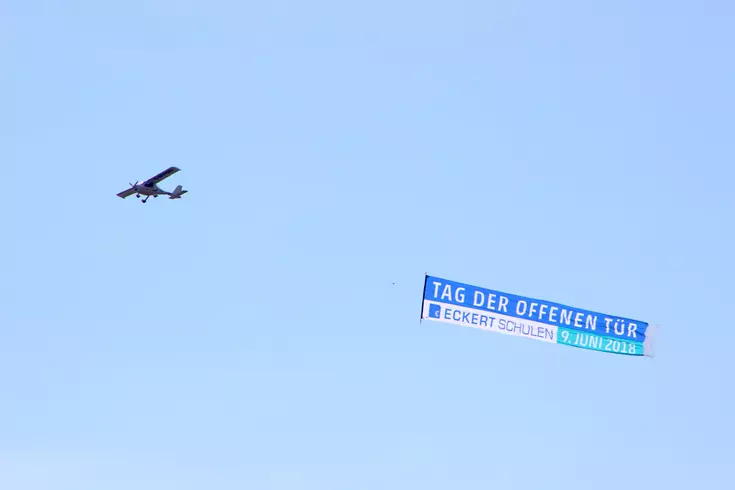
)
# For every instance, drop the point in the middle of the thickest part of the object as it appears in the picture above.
(250, 336)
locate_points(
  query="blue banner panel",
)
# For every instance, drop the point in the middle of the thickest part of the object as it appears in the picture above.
(464, 304)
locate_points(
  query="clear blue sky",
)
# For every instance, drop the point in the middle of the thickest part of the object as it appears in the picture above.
(250, 335)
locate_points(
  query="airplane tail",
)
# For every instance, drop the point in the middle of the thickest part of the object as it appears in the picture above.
(177, 193)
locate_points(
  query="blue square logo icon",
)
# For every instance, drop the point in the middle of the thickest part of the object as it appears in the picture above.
(435, 311)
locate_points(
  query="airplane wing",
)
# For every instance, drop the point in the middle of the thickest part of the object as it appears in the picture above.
(126, 193)
(163, 175)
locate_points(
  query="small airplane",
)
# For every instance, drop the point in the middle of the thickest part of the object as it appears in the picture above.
(150, 187)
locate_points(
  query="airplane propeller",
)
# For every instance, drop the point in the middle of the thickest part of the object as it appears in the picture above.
(133, 185)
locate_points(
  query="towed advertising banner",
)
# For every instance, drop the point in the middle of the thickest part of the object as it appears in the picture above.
(471, 306)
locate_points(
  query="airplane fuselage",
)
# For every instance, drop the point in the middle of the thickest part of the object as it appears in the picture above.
(153, 190)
